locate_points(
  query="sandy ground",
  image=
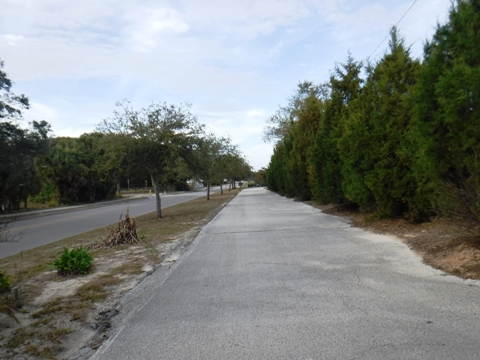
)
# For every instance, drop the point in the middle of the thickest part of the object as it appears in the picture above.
(451, 245)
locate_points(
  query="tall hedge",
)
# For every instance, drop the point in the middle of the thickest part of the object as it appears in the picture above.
(447, 113)
(404, 141)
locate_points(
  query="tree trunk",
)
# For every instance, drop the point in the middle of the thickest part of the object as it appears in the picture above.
(156, 188)
(208, 191)
(221, 188)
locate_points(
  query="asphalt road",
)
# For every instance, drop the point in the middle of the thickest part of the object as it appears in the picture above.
(270, 278)
(59, 224)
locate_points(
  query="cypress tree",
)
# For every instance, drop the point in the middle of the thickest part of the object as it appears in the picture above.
(344, 86)
(377, 129)
(447, 113)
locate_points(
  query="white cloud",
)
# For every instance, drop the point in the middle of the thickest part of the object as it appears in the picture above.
(362, 28)
(39, 112)
(11, 39)
(234, 60)
(249, 18)
(63, 123)
(149, 25)
(245, 128)
(256, 113)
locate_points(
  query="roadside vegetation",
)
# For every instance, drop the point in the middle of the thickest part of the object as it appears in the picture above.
(158, 147)
(395, 138)
(69, 289)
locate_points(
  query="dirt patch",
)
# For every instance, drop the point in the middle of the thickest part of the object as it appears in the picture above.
(67, 317)
(451, 245)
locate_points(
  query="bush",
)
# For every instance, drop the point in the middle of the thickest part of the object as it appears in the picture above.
(5, 281)
(46, 194)
(75, 261)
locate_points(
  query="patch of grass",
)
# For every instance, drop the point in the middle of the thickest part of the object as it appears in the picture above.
(79, 310)
(45, 352)
(130, 268)
(78, 315)
(42, 321)
(55, 335)
(19, 337)
(152, 253)
(109, 280)
(28, 272)
(54, 306)
(92, 291)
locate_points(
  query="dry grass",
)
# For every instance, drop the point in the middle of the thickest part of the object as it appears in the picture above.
(55, 320)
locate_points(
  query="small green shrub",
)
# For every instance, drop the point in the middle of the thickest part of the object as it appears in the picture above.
(5, 282)
(75, 261)
(46, 194)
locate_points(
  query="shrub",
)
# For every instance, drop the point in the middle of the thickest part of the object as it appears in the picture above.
(75, 261)
(46, 194)
(5, 281)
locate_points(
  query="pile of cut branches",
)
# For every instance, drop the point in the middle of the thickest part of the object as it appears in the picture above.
(125, 232)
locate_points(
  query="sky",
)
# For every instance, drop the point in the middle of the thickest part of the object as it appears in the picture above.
(235, 61)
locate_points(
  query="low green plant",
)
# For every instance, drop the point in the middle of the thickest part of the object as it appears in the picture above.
(46, 194)
(5, 282)
(73, 262)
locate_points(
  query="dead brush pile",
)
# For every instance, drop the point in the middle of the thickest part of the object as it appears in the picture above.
(125, 232)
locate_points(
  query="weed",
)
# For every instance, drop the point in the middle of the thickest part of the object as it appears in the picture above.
(75, 261)
(51, 307)
(42, 321)
(131, 268)
(55, 335)
(77, 315)
(20, 337)
(92, 291)
(109, 280)
(43, 353)
(5, 282)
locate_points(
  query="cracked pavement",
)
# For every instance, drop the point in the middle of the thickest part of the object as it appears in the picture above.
(271, 278)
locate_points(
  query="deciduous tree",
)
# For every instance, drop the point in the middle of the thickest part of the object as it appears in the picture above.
(156, 137)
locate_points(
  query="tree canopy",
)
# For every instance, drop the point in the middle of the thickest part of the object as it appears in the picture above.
(11, 105)
(161, 144)
(154, 138)
(397, 137)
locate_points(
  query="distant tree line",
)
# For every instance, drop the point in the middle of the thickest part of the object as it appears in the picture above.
(162, 146)
(398, 137)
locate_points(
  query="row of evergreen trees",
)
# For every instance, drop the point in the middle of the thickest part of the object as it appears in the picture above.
(398, 137)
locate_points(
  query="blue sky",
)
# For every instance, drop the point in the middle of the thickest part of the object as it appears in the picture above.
(234, 61)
